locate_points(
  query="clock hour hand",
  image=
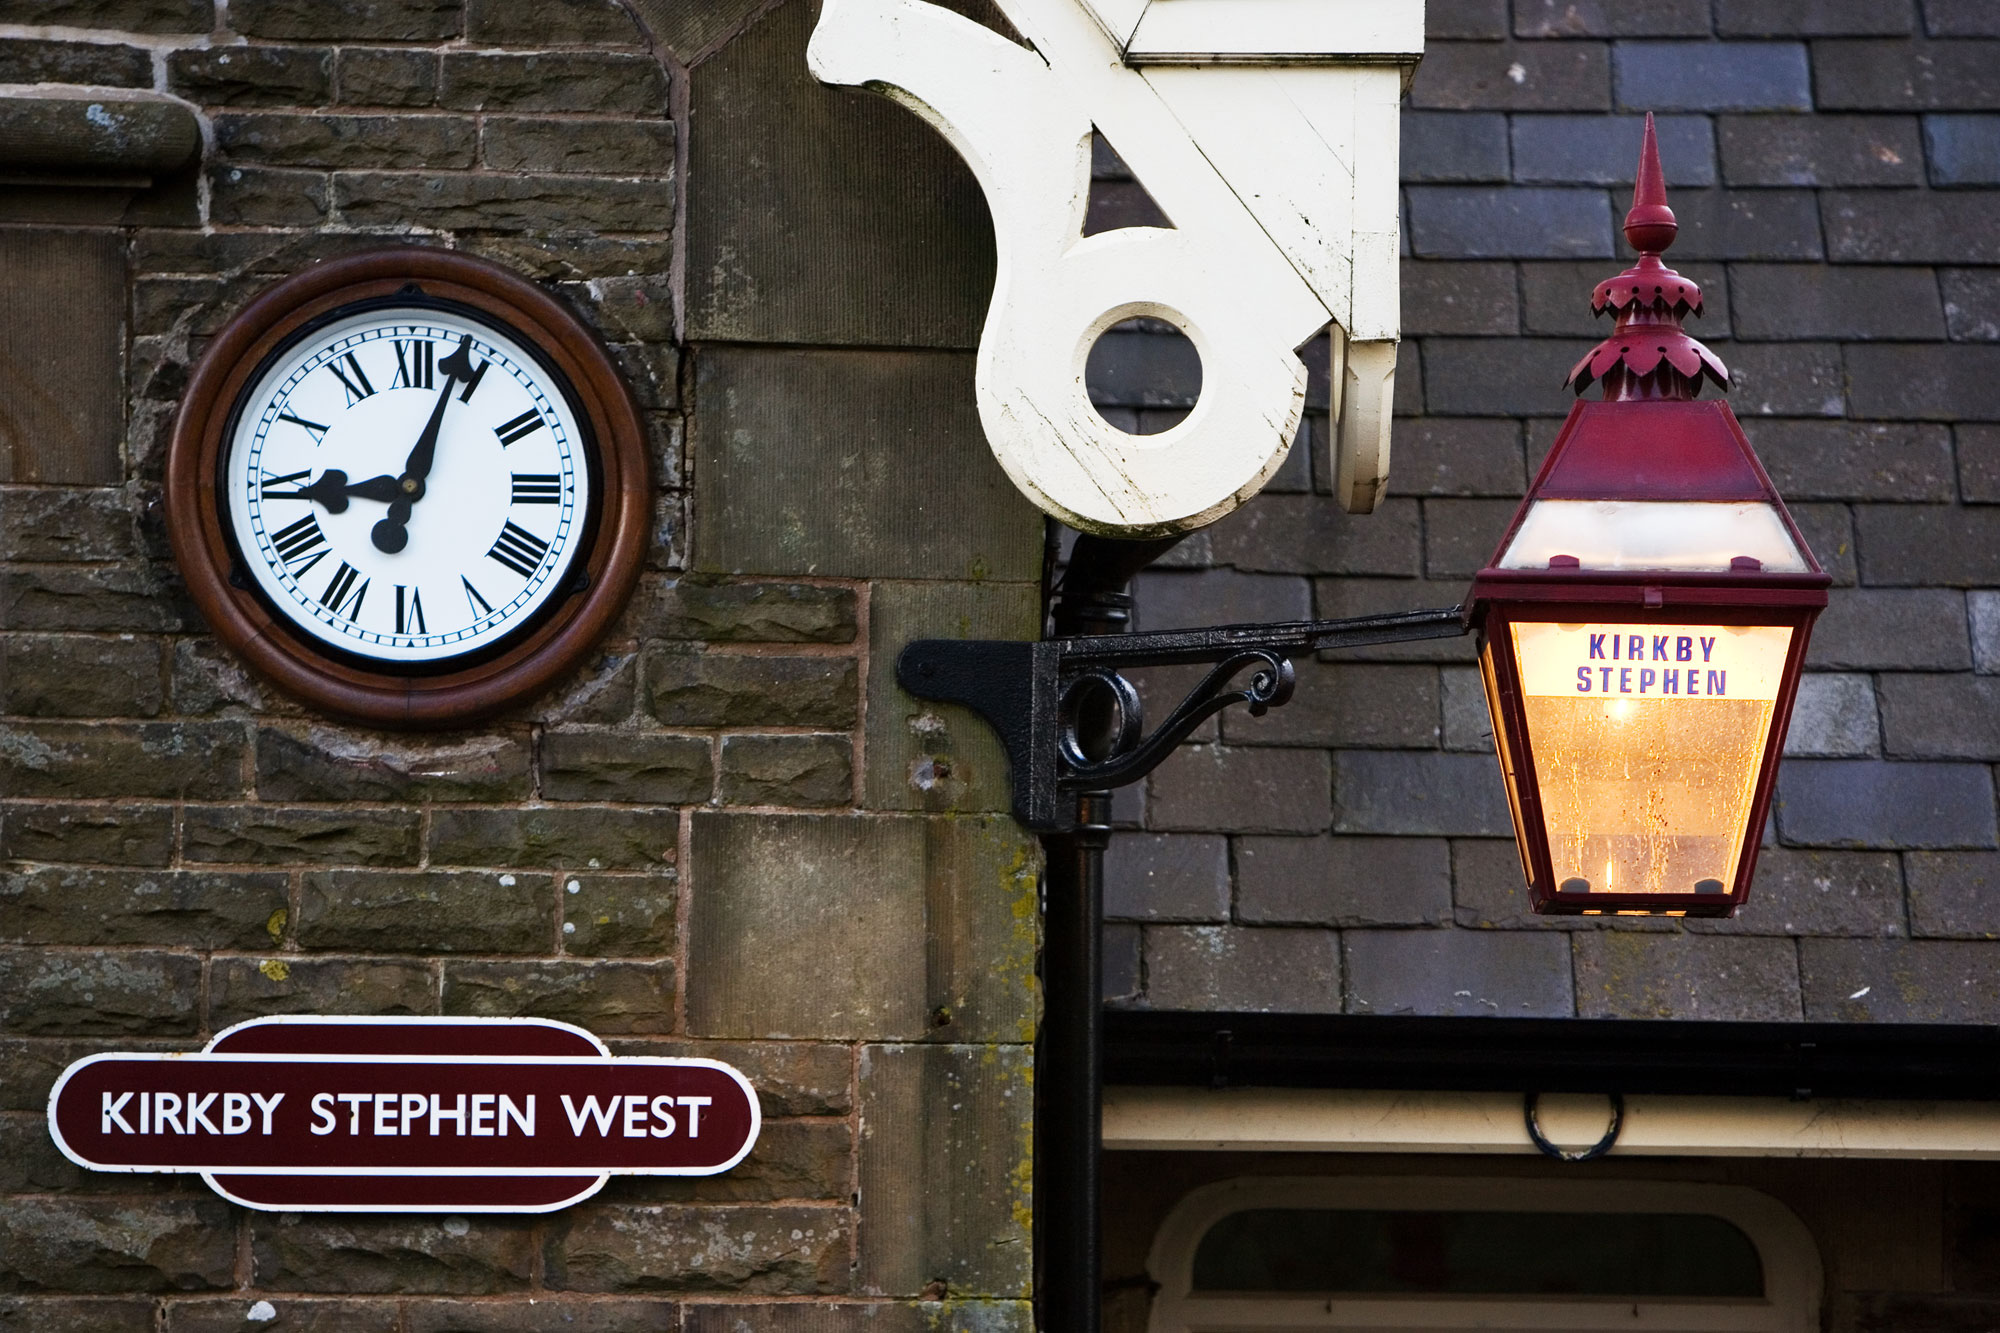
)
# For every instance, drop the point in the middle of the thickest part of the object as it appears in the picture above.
(332, 490)
(392, 533)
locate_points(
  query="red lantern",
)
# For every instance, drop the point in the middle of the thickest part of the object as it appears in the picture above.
(1642, 624)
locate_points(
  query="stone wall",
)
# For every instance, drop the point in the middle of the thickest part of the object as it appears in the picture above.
(1833, 165)
(727, 835)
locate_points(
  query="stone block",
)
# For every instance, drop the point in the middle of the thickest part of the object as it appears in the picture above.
(24, 60)
(1193, 599)
(1712, 76)
(62, 1314)
(1458, 973)
(791, 770)
(1311, 534)
(341, 20)
(605, 997)
(1834, 717)
(1405, 793)
(580, 22)
(413, 1255)
(123, 833)
(1480, 76)
(705, 609)
(1347, 704)
(228, 1315)
(1517, 376)
(952, 1316)
(251, 75)
(791, 1078)
(71, 675)
(1468, 724)
(66, 351)
(922, 755)
(577, 837)
(946, 1166)
(1929, 544)
(1460, 536)
(1454, 146)
(1855, 460)
(503, 203)
(1915, 629)
(174, 760)
(1621, 974)
(1903, 75)
(1941, 717)
(1209, 787)
(1124, 968)
(620, 914)
(73, 598)
(99, 993)
(1513, 222)
(1971, 307)
(933, 919)
(1167, 877)
(621, 766)
(133, 15)
(1454, 298)
(1900, 981)
(1962, 149)
(245, 988)
(1600, 150)
(429, 911)
(1347, 882)
(379, 142)
(1490, 892)
(1813, 18)
(1231, 969)
(792, 1160)
(261, 197)
(1922, 227)
(1335, 599)
(1983, 610)
(1608, 18)
(1829, 533)
(268, 835)
(1810, 892)
(55, 523)
(820, 437)
(1960, 18)
(77, 1245)
(820, 216)
(1786, 380)
(601, 82)
(1458, 455)
(326, 764)
(390, 76)
(1820, 150)
(714, 689)
(1747, 224)
(161, 908)
(1790, 301)
(1954, 894)
(1871, 803)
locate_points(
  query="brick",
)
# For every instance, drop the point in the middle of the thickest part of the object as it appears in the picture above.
(503, 203)
(387, 77)
(819, 1317)
(1960, 18)
(672, 1247)
(257, 197)
(1791, 301)
(927, 915)
(251, 75)
(795, 771)
(339, 20)
(1478, 20)
(620, 914)
(84, 598)
(121, 833)
(58, 1314)
(1906, 75)
(1232, 969)
(431, 911)
(1871, 803)
(1453, 146)
(1963, 150)
(1954, 894)
(43, 992)
(1881, 629)
(734, 689)
(135, 15)
(141, 1245)
(1813, 18)
(160, 759)
(1347, 704)
(314, 1316)
(1608, 18)
(483, 1256)
(1416, 793)
(591, 22)
(1601, 150)
(24, 60)
(1708, 977)
(245, 988)
(619, 766)
(1747, 224)
(264, 834)
(1189, 600)
(1345, 882)
(1460, 536)
(1445, 297)
(1461, 973)
(1457, 455)
(1925, 227)
(1829, 533)
(1249, 791)
(323, 764)
(593, 81)
(1336, 599)
(1811, 892)
(607, 997)
(576, 836)
(60, 523)
(1855, 460)
(1468, 725)
(923, 755)
(162, 908)
(1481, 222)
(590, 147)
(1900, 981)
(1509, 76)
(1941, 717)
(791, 1078)
(75, 676)
(1786, 380)
(1971, 304)
(1929, 544)
(946, 1157)
(431, 142)
(1983, 614)
(1167, 877)
(791, 1161)
(1517, 376)
(1834, 717)
(1822, 150)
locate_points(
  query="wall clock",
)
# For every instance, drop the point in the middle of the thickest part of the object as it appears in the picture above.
(408, 487)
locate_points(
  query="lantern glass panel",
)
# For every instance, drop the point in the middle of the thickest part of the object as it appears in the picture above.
(1646, 741)
(1692, 536)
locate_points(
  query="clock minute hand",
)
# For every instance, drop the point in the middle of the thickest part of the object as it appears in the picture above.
(392, 533)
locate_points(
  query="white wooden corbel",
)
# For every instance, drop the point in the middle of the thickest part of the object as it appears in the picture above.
(1266, 130)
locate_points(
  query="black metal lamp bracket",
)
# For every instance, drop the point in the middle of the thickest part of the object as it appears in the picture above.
(1071, 721)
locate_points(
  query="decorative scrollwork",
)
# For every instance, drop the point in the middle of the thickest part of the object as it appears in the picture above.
(1131, 759)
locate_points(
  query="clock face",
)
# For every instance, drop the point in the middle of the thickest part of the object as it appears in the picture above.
(409, 484)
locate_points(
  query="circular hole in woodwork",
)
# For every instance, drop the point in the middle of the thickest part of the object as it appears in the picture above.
(1143, 375)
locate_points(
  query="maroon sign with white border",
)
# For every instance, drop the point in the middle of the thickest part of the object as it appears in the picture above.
(404, 1115)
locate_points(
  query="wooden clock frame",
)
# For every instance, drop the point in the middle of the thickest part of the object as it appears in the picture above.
(340, 683)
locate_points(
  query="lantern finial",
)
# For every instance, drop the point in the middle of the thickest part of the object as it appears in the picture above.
(1648, 354)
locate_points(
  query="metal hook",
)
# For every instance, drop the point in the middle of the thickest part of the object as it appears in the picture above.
(1590, 1154)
